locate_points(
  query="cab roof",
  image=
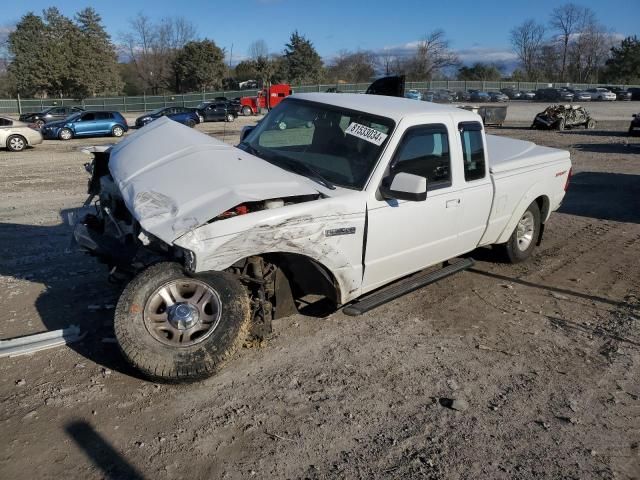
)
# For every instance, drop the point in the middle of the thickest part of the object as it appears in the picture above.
(395, 108)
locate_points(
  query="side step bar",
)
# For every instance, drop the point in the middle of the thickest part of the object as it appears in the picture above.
(405, 286)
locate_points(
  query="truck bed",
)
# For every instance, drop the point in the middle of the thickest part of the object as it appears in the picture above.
(506, 154)
(522, 172)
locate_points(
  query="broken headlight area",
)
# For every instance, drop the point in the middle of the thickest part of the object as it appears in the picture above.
(111, 233)
(250, 207)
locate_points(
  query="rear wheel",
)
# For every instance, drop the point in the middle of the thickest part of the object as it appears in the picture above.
(38, 123)
(190, 123)
(246, 111)
(591, 124)
(561, 124)
(176, 327)
(117, 131)
(230, 117)
(65, 134)
(16, 143)
(524, 237)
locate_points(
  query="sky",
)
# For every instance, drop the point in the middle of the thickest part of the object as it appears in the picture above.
(477, 30)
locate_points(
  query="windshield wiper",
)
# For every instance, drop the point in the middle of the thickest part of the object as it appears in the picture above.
(302, 169)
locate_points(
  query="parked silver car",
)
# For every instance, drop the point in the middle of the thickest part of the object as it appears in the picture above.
(16, 135)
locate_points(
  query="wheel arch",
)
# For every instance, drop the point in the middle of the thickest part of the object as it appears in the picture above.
(305, 275)
(534, 195)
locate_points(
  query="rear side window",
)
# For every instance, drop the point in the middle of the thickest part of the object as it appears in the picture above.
(472, 150)
(5, 122)
(424, 151)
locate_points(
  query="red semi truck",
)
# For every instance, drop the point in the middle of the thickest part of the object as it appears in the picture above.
(267, 98)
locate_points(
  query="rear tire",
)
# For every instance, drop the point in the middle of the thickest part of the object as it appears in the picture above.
(190, 123)
(230, 117)
(525, 236)
(561, 124)
(39, 124)
(148, 335)
(591, 124)
(16, 143)
(117, 131)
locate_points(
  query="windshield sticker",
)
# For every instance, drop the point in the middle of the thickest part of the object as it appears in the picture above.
(365, 133)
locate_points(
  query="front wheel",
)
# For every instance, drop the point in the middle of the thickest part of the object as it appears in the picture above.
(524, 237)
(230, 117)
(190, 123)
(65, 134)
(175, 327)
(591, 124)
(561, 124)
(246, 111)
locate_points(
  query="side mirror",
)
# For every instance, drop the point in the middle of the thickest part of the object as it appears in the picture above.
(246, 130)
(404, 186)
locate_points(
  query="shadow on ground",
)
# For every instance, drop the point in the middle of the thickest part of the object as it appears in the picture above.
(100, 452)
(73, 282)
(605, 196)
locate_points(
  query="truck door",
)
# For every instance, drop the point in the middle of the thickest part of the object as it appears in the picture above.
(476, 201)
(406, 236)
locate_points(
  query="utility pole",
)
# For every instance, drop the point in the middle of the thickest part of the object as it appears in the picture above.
(230, 56)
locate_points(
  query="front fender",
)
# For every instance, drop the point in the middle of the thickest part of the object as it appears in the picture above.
(339, 253)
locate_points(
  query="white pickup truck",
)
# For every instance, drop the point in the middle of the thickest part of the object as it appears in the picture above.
(332, 195)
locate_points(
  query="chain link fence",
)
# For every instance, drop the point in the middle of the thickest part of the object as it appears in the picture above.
(146, 103)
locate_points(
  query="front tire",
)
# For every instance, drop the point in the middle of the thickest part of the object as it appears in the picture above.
(16, 143)
(246, 111)
(591, 124)
(175, 327)
(230, 117)
(65, 134)
(525, 236)
(190, 123)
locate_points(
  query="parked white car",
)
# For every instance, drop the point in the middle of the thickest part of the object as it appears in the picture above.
(332, 195)
(16, 135)
(601, 94)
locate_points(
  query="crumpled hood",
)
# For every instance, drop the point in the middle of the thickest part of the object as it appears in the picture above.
(174, 178)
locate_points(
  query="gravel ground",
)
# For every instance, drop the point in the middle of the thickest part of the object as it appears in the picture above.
(541, 360)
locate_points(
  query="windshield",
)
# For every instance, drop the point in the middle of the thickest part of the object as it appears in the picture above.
(156, 111)
(329, 144)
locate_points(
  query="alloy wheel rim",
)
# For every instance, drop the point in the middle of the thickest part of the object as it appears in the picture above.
(525, 230)
(182, 313)
(17, 143)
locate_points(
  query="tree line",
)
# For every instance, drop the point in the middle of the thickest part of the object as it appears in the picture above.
(51, 55)
(573, 46)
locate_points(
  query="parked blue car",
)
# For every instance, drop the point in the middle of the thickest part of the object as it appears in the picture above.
(85, 124)
(413, 94)
(186, 116)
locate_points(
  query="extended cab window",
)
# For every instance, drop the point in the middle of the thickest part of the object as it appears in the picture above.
(424, 151)
(472, 150)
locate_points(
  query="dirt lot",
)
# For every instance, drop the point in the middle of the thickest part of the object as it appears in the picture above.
(543, 357)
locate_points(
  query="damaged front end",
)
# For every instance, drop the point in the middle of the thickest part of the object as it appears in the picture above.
(111, 233)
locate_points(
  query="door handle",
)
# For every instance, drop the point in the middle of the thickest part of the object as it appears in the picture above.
(453, 203)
